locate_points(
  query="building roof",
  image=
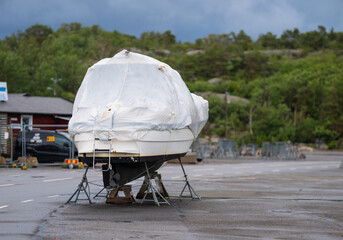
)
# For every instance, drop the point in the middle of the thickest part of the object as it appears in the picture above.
(24, 103)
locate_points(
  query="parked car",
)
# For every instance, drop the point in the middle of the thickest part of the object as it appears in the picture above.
(47, 146)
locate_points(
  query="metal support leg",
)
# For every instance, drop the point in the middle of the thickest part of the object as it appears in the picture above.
(97, 195)
(153, 191)
(187, 184)
(83, 186)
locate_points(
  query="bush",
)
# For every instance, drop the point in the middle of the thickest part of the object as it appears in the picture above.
(333, 144)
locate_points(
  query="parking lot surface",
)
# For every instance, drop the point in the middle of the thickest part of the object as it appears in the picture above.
(247, 198)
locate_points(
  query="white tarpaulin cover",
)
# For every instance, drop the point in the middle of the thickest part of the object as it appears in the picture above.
(130, 94)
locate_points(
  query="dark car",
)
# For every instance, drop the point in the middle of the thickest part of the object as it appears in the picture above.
(47, 146)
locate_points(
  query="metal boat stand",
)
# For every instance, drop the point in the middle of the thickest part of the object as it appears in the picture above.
(154, 192)
(187, 184)
(160, 186)
(83, 187)
(98, 194)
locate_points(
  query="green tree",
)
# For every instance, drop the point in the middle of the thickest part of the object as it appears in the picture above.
(268, 40)
(13, 71)
(290, 39)
(315, 39)
(39, 32)
(243, 40)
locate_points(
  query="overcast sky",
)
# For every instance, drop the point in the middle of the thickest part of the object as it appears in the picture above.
(187, 19)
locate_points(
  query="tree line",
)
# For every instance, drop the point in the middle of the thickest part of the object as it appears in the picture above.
(292, 85)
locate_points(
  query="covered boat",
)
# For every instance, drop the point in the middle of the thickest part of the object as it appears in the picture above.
(132, 109)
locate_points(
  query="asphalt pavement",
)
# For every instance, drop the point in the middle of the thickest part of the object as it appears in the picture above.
(247, 198)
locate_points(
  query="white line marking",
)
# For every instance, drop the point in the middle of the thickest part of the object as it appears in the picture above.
(242, 167)
(218, 174)
(175, 177)
(204, 169)
(5, 206)
(28, 200)
(53, 196)
(6, 185)
(276, 170)
(57, 179)
(16, 175)
(257, 172)
(197, 175)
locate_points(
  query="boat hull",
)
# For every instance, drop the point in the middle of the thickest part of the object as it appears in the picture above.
(128, 158)
(127, 172)
(152, 146)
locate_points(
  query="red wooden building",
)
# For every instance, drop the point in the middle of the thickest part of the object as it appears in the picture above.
(30, 110)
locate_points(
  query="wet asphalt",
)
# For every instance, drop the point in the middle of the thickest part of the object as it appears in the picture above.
(248, 198)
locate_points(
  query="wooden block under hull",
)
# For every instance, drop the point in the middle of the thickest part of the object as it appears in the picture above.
(115, 198)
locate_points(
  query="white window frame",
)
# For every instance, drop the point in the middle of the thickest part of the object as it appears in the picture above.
(30, 120)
